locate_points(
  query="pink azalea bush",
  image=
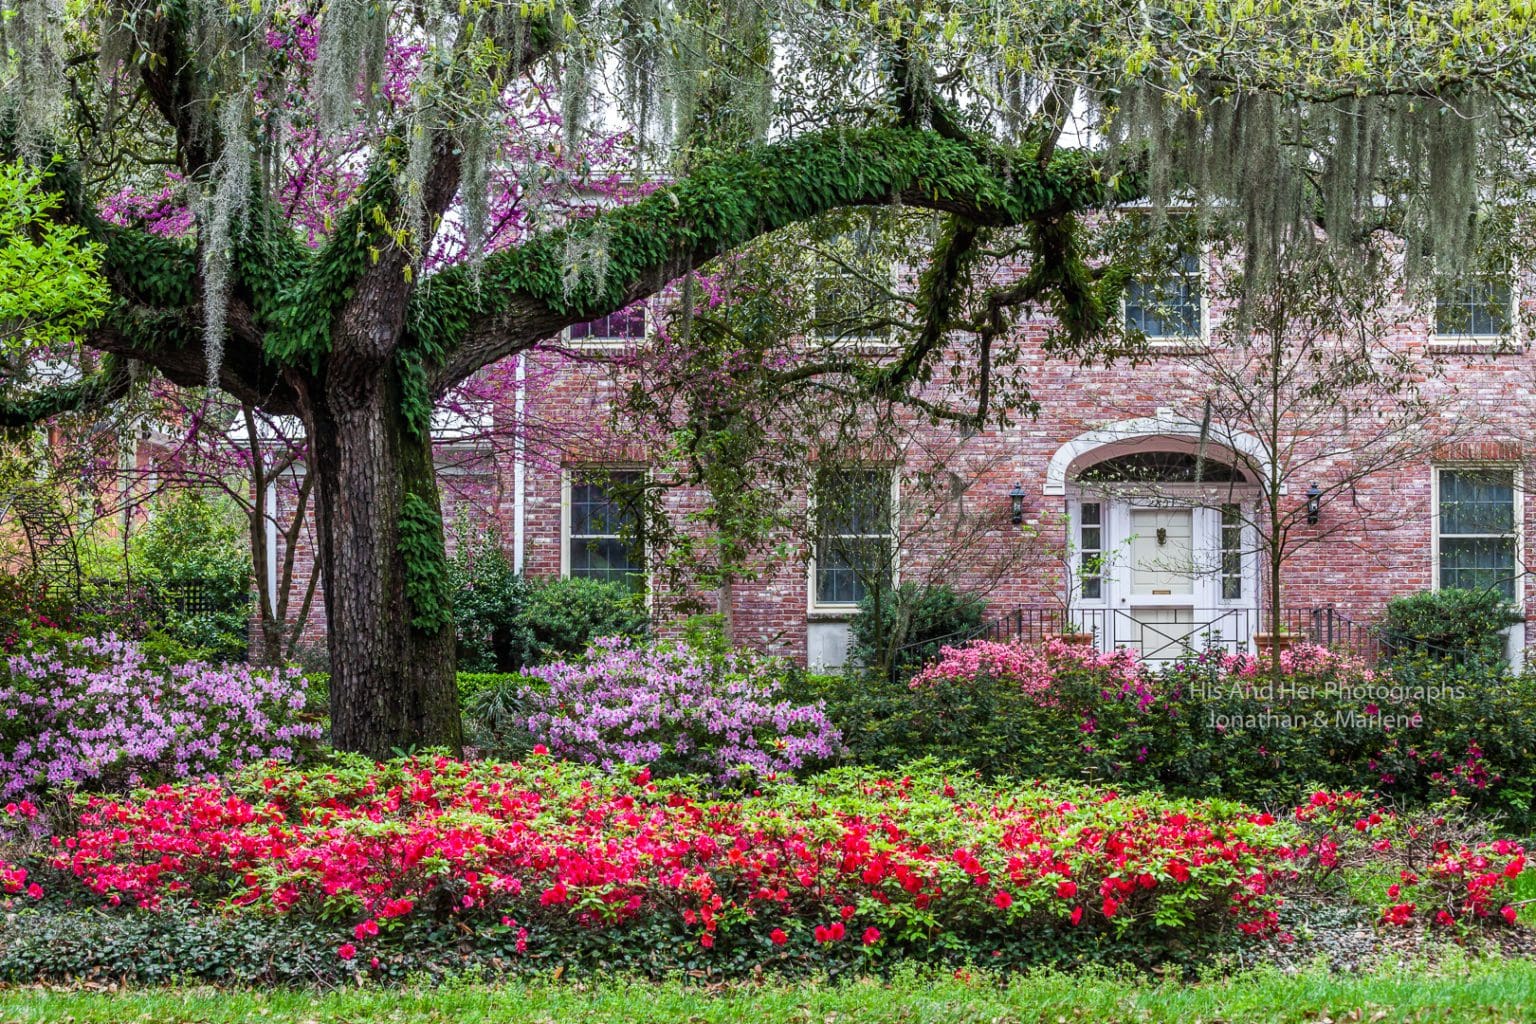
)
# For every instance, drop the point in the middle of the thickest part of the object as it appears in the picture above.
(1302, 658)
(1037, 670)
(97, 713)
(677, 709)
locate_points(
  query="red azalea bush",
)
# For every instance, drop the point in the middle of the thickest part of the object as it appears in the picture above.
(1442, 868)
(551, 857)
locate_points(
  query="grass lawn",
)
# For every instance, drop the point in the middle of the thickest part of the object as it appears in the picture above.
(1490, 991)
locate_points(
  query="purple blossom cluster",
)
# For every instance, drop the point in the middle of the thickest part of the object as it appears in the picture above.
(677, 709)
(98, 714)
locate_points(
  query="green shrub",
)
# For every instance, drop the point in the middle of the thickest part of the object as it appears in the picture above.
(1005, 710)
(912, 623)
(564, 616)
(472, 684)
(1452, 623)
(1477, 739)
(505, 622)
(194, 557)
(1419, 730)
(489, 601)
(1235, 733)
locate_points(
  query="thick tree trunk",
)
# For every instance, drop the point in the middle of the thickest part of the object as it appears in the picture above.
(392, 681)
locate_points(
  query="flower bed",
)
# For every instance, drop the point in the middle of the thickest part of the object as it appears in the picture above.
(100, 714)
(550, 861)
(1214, 723)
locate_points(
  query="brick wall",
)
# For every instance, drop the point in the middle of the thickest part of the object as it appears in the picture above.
(1373, 541)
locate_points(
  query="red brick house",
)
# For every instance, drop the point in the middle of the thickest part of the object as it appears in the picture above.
(1125, 482)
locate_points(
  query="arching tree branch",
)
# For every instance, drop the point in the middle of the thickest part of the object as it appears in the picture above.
(522, 295)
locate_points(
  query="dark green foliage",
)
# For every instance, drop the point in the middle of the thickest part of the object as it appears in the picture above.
(1269, 746)
(1465, 728)
(180, 944)
(913, 622)
(488, 604)
(426, 565)
(564, 616)
(991, 725)
(1432, 729)
(472, 684)
(1450, 623)
(496, 709)
(193, 558)
(161, 948)
(735, 198)
(506, 622)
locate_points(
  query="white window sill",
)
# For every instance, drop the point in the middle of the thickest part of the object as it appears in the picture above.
(858, 343)
(832, 613)
(1190, 346)
(1454, 344)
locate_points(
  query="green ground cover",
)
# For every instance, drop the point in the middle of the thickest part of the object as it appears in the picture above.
(1491, 991)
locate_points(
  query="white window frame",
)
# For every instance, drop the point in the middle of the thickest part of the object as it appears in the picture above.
(1511, 341)
(1174, 343)
(567, 479)
(1518, 498)
(838, 269)
(590, 342)
(840, 609)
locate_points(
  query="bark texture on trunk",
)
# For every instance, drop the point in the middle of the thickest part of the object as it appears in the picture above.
(392, 685)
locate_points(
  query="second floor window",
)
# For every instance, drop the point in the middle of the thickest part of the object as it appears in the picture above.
(1477, 308)
(603, 541)
(854, 542)
(1170, 309)
(626, 324)
(850, 295)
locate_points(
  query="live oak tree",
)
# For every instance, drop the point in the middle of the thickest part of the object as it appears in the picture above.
(1007, 117)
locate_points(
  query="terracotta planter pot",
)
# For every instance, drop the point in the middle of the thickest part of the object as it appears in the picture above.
(1079, 639)
(1267, 642)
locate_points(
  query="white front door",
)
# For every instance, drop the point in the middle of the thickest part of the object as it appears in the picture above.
(1170, 580)
(1158, 603)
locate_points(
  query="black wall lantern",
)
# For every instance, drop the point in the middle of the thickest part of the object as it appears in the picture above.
(1016, 502)
(1314, 504)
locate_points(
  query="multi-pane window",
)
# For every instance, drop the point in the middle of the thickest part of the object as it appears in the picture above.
(1090, 551)
(854, 534)
(1231, 553)
(1476, 308)
(1170, 308)
(627, 324)
(1477, 529)
(851, 293)
(604, 541)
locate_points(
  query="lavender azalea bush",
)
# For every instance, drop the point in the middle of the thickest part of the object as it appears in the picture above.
(98, 714)
(678, 710)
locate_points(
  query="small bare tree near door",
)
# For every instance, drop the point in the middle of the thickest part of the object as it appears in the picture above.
(1310, 370)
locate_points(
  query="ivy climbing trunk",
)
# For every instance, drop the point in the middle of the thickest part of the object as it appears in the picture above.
(386, 601)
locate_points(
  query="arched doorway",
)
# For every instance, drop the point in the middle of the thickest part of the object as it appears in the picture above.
(1163, 552)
